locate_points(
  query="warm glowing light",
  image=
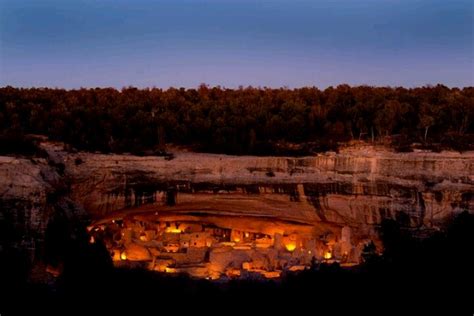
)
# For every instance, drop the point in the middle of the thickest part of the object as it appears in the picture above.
(116, 255)
(247, 235)
(173, 230)
(92, 240)
(327, 255)
(290, 246)
(236, 239)
(170, 270)
(143, 237)
(123, 256)
(271, 274)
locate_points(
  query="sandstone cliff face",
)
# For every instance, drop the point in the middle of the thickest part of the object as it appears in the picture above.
(355, 187)
(358, 187)
(33, 194)
(23, 203)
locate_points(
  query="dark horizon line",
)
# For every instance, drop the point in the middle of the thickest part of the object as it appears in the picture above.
(240, 87)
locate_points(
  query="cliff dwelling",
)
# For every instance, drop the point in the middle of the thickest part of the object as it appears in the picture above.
(216, 247)
(222, 217)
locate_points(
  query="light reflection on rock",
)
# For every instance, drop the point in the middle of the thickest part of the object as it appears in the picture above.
(203, 249)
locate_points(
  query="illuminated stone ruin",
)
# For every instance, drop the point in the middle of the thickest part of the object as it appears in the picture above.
(217, 248)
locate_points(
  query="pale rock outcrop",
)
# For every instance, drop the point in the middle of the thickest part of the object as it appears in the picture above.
(24, 192)
(357, 188)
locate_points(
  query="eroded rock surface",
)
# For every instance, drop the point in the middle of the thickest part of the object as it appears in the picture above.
(354, 189)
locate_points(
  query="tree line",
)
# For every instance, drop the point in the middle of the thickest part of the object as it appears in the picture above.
(239, 121)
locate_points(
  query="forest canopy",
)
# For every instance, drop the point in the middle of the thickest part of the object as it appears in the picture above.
(248, 120)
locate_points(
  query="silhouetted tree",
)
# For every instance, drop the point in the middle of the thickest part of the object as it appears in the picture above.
(239, 121)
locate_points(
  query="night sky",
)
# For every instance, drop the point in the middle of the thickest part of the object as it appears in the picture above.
(183, 43)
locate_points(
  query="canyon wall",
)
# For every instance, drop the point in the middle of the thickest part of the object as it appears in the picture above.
(357, 188)
(23, 204)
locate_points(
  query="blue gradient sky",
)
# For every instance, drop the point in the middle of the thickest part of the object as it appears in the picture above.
(183, 43)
